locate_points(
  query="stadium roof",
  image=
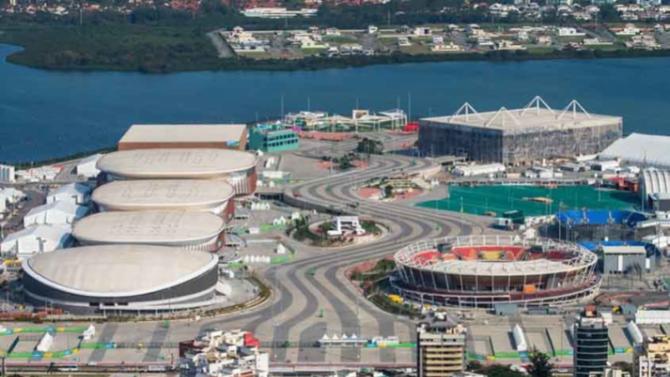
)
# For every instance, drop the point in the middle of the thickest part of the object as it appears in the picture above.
(655, 181)
(168, 193)
(642, 149)
(118, 270)
(537, 115)
(203, 163)
(184, 133)
(148, 227)
(516, 268)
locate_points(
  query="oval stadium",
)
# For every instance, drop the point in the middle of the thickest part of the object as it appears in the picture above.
(236, 167)
(121, 278)
(186, 230)
(169, 194)
(481, 271)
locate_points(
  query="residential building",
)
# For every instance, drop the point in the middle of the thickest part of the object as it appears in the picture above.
(652, 359)
(440, 348)
(591, 343)
(225, 354)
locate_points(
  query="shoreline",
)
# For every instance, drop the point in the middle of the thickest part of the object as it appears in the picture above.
(317, 63)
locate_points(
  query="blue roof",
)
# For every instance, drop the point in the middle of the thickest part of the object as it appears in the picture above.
(600, 217)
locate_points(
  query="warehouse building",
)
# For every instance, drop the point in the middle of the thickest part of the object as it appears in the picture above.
(235, 167)
(36, 239)
(166, 195)
(518, 136)
(624, 259)
(54, 213)
(121, 278)
(186, 230)
(150, 136)
(77, 193)
(655, 189)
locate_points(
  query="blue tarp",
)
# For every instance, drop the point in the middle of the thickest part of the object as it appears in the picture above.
(599, 217)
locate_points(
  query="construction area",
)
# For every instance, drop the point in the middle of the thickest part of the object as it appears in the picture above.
(519, 136)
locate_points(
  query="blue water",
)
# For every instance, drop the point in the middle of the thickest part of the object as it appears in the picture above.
(45, 114)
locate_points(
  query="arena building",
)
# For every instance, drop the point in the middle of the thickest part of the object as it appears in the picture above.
(166, 195)
(121, 278)
(186, 230)
(149, 136)
(236, 167)
(481, 271)
(518, 136)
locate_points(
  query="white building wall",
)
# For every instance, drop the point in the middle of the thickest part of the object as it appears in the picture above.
(7, 174)
(87, 166)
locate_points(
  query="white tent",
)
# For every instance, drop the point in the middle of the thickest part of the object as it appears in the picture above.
(77, 193)
(36, 239)
(61, 212)
(640, 149)
(12, 195)
(86, 167)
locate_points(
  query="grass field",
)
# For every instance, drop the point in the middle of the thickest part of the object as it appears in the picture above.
(500, 198)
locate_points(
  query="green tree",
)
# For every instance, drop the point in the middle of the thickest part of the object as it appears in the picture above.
(370, 146)
(608, 13)
(388, 191)
(345, 163)
(539, 364)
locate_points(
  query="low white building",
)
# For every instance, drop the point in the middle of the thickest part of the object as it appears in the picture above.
(347, 225)
(36, 239)
(86, 167)
(569, 32)
(77, 193)
(61, 212)
(12, 195)
(472, 170)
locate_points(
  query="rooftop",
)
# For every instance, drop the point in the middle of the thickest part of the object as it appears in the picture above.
(649, 150)
(148, 227)
(51, 232)
(70, 189)
(183, 133)
(169, 192)
(537, 115)
(61, 206)
(118, 270)
(203, 163)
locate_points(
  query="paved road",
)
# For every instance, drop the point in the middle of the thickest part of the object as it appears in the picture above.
(317, 284)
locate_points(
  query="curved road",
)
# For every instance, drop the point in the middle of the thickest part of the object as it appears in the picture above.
(314, 285)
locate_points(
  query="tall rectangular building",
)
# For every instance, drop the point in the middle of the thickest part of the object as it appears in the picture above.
(440, 348)
(591, 344)
(518, 136)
